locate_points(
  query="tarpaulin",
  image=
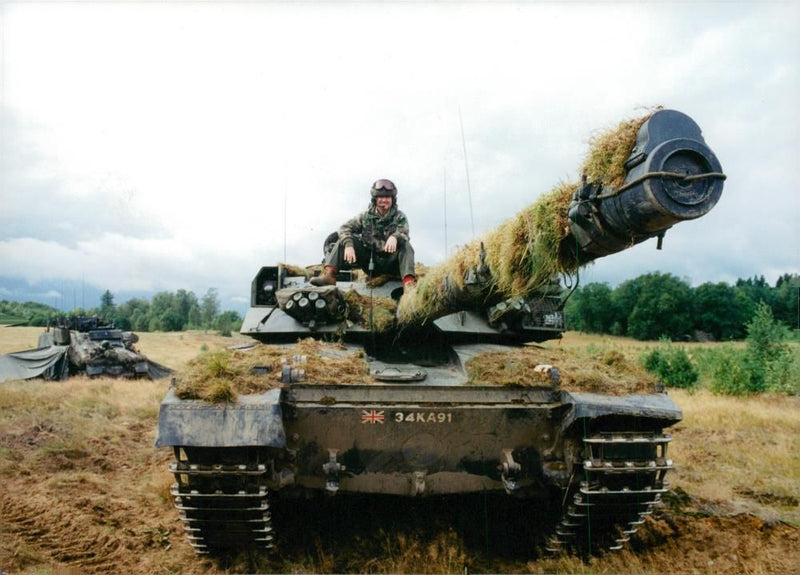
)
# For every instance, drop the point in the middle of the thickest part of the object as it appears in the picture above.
(48, 362)
(156, 370)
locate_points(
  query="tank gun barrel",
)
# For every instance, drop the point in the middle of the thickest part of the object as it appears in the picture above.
(671, 176)
(638, 181)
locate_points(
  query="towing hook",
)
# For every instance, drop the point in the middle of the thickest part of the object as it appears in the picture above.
(332, 469)
(509, 471)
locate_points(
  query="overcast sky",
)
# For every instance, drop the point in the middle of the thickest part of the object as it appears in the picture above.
(166, 145)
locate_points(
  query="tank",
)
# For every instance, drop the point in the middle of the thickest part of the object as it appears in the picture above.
(414, 423)
(81, 344)
(98, 348)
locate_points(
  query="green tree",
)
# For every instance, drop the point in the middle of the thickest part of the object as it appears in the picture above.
(720, 310)
(140, 321)
(133, 314)
(32, 313)
(195, 317)
(660, 305)
(729, 372)
(591, 309)
(766, 364)
(43, 318)
(185, 306)
(786, 307)
(766, 348)
(624, 298)
(209, 307)
(165, 313)
(756, 289)
(228, 321)
(107, 308)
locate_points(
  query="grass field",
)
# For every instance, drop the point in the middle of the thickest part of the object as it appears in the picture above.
(85, 491)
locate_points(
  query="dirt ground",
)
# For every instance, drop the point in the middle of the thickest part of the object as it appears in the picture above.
(83, 490)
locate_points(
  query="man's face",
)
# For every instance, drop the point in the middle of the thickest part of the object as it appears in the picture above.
(383, 203)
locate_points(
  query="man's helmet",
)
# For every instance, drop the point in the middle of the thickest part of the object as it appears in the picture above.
(384, 189)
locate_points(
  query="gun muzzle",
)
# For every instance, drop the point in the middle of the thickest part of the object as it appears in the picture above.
(672, 176)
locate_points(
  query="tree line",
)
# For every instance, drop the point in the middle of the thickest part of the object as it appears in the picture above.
(661, 305)
(166, 311)
(649, 307)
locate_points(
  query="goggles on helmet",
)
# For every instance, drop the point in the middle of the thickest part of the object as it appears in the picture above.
(383, 188)
(384, 185)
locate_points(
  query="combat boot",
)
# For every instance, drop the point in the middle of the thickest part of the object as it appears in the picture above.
(328, 278)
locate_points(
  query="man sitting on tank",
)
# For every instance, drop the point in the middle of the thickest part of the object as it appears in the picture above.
(378, 235)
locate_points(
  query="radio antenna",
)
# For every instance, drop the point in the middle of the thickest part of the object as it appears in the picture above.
(444, 186)
(466, 169)
(284, 218)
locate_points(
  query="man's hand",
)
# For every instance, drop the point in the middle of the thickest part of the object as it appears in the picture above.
(391, 245)
(350, 255)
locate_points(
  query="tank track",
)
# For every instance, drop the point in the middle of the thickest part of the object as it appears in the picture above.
(223, 506)
(623, 480)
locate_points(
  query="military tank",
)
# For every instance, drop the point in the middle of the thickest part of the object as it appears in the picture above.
(414, 424)
(97, 348)
(81, 345)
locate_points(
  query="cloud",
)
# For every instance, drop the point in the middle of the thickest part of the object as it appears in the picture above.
(49, 294)
(121, 263)
(43, 199)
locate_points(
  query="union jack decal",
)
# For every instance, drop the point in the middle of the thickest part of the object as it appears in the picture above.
(371, 416)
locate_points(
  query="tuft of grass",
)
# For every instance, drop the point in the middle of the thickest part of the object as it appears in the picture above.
(219, 391)
(608, 150)
(216, 364)
(523, 254)
(444, 553)
(370, 313)
(608, 372)
(221, 376)
(70, 448)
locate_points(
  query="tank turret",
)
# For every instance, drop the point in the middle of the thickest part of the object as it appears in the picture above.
(401, 403)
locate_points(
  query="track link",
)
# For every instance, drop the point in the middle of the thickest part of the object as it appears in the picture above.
(223, 506)
(623, 480)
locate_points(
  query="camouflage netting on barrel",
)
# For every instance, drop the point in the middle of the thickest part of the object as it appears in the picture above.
(525, 252)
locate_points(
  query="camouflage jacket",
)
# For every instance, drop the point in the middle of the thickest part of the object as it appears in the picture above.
(375, 230)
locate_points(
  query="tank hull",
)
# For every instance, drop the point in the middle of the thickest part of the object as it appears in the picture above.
(412, 441)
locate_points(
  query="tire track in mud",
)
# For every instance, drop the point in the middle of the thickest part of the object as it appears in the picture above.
(71, 540)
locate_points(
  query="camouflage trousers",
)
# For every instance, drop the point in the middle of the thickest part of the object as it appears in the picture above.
(400, 263)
